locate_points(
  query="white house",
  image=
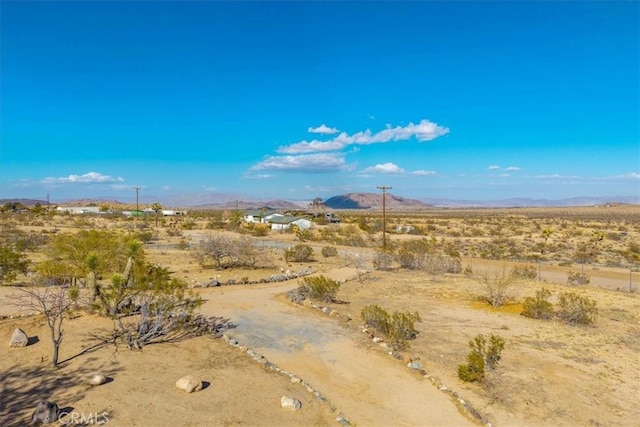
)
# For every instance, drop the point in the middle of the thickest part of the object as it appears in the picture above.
(286, 222)
(257, 215)
(75, 210)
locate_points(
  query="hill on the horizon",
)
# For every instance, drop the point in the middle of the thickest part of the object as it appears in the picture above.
(373, 201)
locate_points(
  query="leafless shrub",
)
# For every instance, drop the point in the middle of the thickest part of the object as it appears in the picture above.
(497, 288)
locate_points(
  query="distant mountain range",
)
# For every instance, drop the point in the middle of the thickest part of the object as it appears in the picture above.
(373, 201)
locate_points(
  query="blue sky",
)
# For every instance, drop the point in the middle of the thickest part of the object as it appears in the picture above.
(296, 100)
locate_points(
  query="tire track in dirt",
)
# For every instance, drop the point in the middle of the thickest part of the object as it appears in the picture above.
(368, 387)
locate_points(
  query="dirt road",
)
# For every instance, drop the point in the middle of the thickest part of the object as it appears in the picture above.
(367, 386)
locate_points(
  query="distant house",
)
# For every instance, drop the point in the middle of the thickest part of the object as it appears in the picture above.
(257, 215)
(285, 222)
(173, 213)
(77, 210)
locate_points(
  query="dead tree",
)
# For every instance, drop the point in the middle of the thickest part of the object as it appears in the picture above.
(53, 302)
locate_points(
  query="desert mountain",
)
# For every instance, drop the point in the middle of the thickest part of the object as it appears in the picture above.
(373, 201)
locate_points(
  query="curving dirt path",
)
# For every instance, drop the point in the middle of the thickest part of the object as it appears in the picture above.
(367, 386)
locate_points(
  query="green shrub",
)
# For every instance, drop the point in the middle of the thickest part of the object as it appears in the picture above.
(320, 288)
(576, 309)
(538, 307)
(398, 327)
(298, 253)
(329, 251)
(481, 357)
(577, 278)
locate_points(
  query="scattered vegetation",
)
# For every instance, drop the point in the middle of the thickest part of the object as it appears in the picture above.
(524, 272)
(538, 307)
(481, 357)
(398, 327)
(576, 309)
(577, 278)
(497, 288)
(329, 251)
(298, 253)
(319, 288)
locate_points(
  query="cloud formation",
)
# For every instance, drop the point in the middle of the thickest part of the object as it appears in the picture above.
(323, 129)
(392, 168)
(312, 163)
(423, 131)
(87, 178)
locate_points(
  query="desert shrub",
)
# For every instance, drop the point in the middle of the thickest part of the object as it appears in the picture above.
(189, 225)
(320, 288)
(174, 232)
(576, 309)
(382, 261)
(440, 264)
(577, 278)
(526, 272)
(398, 327)
(145, 236)
(480, 357)
(538, 307)
(303, 235)
(329, 251)
(496, 288)
(256, 229)
(298, 253)
(183, 244)
(227, 251)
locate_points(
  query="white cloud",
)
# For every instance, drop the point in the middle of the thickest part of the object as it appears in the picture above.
(325, 162)
(87, 178)
(323, 129)
(513, 168)
(423, 131)
(424, 173)
(392, 168)
(494, 167)
(389, 168)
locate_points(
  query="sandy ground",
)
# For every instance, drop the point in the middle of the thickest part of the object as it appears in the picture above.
(551, 374)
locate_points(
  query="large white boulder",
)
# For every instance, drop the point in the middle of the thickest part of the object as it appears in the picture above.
(189, 384)
(290, 403)
(19, 338)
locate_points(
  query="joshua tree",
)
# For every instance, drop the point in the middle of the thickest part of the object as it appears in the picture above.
(157, 207)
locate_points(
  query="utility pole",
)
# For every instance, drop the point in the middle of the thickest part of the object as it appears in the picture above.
(384, 216)
(137, 205)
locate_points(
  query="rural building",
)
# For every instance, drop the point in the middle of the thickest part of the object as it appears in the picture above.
(257, 215)
(284, 222)
(76, 210)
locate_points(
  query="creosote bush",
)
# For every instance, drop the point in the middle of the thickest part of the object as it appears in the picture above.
(526, 272)
(576, 309)
(480, 357)
(398, 327)
(538, 307)
(320, 288)
(298, 253)
(329, 251)
(577, 278)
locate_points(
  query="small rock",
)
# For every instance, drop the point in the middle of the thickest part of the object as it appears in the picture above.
(189, 384)
(46, 413)
(290, 403)
(377, 339)
(415, 365)
(326, 310)
(19, 339)
(98, 379)
(295, 379)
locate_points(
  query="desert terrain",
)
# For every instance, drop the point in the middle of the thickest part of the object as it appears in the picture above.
(551, 372)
